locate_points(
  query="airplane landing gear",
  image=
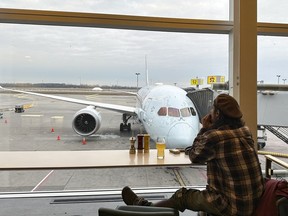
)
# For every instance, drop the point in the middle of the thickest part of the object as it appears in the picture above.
(125, 126)
(261, 145)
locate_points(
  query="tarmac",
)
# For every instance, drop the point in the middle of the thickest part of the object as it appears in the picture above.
(46, 126)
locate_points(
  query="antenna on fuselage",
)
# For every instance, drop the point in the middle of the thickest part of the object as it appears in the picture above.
(146, 71)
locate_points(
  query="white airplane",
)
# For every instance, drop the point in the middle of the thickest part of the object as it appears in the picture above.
(164, 110)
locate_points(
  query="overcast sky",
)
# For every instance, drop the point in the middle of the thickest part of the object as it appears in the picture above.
(97, 56)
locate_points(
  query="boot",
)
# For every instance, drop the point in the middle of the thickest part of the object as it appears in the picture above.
(130, 198)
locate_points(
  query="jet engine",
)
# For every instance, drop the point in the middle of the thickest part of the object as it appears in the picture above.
(86, 121)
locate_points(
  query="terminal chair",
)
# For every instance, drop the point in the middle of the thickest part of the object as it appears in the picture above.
(282, 206)
(204, 214)
(137, 211)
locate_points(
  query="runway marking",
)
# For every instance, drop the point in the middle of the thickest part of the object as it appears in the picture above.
(28, 105)
(57, 117)
(107, 136)
(31, 115)
(42, 180)
(91, 97)
(179, 177)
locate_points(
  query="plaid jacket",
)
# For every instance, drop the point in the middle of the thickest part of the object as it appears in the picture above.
(234, 177)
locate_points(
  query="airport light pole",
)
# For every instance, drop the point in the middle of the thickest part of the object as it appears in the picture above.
(137, 74)
(284, 81)
(278, 77)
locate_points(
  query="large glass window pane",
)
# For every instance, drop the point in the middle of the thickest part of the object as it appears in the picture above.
(272, 11)
(200, 9)
(45, 54)
(272, 59)
(36, 58)
(272, 95)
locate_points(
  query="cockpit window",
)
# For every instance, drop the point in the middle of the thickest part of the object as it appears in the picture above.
(193, 112)
(162, 111)
(173, 112)
(185, 112)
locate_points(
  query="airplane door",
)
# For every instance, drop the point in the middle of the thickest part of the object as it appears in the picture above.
(150, 111)
(142, 116)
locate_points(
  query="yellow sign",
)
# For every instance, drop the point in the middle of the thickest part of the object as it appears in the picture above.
(196, 81)
(222, 79)
(211, 79)
(215, 79)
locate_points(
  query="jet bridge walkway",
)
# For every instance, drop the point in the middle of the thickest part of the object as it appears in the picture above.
(202, 99)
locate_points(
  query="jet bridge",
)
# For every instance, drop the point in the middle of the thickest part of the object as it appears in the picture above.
(273, 112)
(272, 108)
(202, 99)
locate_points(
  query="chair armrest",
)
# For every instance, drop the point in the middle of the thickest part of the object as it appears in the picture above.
(117, 212)
(148, 209)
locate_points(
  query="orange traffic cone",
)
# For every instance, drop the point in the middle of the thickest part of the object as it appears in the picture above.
(84, 141)
(58, 138)
(52, 130)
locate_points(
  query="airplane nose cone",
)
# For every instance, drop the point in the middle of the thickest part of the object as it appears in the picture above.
(181, 136)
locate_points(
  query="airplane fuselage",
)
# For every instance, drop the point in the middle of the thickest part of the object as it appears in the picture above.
(166, 111)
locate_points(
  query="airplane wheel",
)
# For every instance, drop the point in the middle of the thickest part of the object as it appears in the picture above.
(261, 145)
(121, 127)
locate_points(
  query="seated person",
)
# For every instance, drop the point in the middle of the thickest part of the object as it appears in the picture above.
(234, 179)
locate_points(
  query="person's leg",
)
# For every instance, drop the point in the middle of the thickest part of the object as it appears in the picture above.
(182, 199)
(194, 200)
(130, 198)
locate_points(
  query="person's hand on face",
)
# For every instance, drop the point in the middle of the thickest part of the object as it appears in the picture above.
(207, 121)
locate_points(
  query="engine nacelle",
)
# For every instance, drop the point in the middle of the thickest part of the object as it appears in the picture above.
(86, 121)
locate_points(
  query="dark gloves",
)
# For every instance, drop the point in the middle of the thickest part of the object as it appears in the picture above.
(187, 150)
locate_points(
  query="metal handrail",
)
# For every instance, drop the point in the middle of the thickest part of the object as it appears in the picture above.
(269, 160)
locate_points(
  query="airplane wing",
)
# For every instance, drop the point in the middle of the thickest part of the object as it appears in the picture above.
(113, 107)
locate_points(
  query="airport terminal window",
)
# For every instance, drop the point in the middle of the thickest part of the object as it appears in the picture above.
(270, 67)
(200, 9)
(79, 56)
(272, 12)
(49, 56)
